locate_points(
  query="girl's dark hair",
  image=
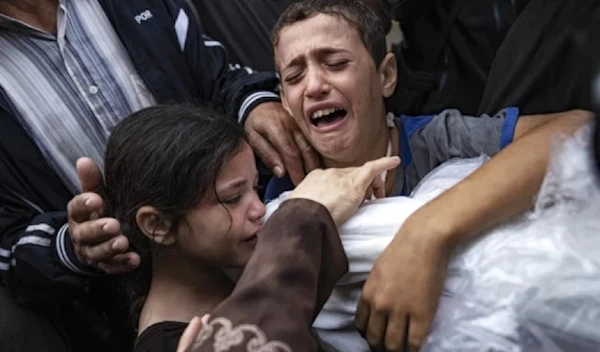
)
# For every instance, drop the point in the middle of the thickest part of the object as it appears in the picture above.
(167, 157)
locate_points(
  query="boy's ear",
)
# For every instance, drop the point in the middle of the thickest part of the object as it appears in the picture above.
(285, 103)
(152, 224)
(388, 72)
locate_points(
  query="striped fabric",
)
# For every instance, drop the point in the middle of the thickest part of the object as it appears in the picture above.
(68, 91)
(72, 88)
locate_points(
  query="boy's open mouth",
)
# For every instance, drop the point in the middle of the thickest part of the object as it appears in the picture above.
(326, 117)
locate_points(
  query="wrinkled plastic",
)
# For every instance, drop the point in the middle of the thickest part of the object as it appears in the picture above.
(534, 283)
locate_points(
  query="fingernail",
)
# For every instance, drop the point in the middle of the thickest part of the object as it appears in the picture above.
(278, 171)
(116, 245)
(88, 202)
(133, 262)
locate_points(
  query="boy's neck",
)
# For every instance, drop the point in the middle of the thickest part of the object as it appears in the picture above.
(182, 289)
(376, 149)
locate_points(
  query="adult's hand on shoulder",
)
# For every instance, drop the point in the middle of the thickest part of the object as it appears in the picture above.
(342, 191)
(97, 241)
(279, 143)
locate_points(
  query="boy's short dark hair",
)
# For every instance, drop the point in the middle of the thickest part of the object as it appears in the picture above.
(355, 12)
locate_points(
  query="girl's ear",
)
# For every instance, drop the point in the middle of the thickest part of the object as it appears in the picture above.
(153, 225)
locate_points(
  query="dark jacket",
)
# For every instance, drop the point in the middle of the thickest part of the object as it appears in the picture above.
(248, 36)
(481, 56)
(245, 27)
(38, 262)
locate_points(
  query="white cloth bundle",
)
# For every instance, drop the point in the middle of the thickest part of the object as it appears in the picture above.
(364, 237)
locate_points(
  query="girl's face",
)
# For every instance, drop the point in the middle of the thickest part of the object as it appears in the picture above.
(223, 232)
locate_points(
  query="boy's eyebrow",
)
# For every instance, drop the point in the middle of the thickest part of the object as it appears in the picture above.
(294, 62)
(329, 50)
(325, 51)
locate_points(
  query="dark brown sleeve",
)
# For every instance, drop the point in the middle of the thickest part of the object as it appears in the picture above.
(297, 261)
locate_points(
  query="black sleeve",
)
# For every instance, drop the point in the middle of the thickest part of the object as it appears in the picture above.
(239, 89)
(37, 262)
(405, 11)
(253, 48)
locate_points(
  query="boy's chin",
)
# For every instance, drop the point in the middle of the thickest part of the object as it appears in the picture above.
(339, 153)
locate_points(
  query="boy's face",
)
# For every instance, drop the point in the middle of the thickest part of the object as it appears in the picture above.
(331, 87)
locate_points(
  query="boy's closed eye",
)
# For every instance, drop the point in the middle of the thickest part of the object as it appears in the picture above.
(337, 63)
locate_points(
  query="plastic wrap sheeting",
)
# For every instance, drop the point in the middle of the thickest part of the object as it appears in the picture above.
(534, 283)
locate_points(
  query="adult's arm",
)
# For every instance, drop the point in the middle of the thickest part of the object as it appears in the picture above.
(500, 189)
(508, 183)
(297, 262)
(37, 262)
(434, 139)
(239, 89)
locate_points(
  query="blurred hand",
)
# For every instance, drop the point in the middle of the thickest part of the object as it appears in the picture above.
(97, 241)
(342, 191)
(279, 143)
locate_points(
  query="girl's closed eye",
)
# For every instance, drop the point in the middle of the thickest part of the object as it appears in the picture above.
(233, 200)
